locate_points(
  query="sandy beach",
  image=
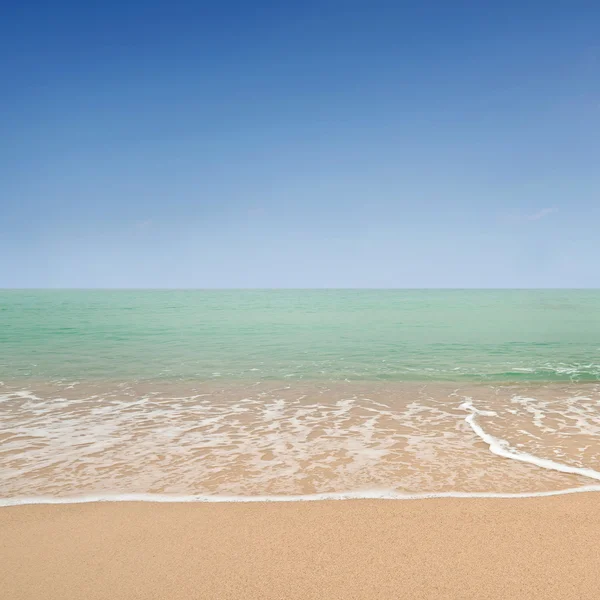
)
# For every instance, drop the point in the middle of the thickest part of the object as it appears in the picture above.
(437, 548)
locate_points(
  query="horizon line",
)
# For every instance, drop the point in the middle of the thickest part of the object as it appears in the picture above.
(242, 289)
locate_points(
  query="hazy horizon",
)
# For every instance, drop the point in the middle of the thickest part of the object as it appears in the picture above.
(275, 289)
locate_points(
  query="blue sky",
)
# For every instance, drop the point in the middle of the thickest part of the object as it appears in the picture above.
(313, 144)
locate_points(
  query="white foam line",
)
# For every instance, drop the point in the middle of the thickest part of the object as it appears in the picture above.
(502, 448)
(497, 446)
(364, 495)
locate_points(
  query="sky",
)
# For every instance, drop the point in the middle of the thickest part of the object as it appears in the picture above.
(300, 144)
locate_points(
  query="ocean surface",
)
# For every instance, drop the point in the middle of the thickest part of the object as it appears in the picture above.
(253, 394)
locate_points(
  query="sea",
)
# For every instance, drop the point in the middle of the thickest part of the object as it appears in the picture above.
(242, 395)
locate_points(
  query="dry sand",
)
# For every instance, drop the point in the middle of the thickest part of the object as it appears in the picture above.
(446, 548)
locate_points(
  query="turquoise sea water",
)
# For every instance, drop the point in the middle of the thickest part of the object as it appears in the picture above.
(333, 335)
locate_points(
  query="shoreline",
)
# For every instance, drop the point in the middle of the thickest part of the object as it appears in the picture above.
(298, 441)
(442, 548)
(373, 495)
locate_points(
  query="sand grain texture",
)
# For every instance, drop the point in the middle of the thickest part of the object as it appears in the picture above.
(444, 548)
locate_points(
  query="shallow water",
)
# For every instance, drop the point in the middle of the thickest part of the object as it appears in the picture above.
(306, 438)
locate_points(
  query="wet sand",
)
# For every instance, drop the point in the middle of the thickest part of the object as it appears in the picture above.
(439, 548)
(269, 439)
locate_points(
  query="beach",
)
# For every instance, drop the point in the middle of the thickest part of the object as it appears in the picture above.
(434, 548)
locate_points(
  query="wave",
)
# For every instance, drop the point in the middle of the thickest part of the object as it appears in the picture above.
(363, 495)
(271, 413)
(502, 447)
